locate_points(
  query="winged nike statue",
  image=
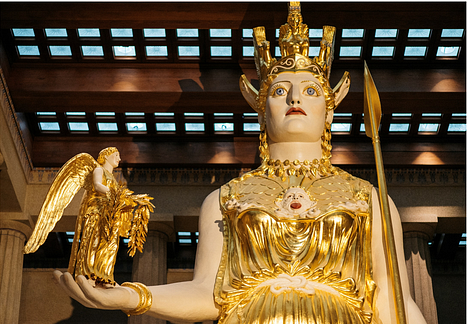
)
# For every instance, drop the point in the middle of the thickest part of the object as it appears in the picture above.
(108, 211)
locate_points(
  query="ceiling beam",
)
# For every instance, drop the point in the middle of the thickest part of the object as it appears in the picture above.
(233, 15)
(211, 102)
(195, 89)
(241, 152)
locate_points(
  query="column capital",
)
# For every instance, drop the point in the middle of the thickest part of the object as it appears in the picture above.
(24, 229)
(416, 229)
(418, 263)
(12, 237)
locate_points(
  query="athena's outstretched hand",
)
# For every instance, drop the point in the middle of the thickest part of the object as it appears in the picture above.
(81, 290)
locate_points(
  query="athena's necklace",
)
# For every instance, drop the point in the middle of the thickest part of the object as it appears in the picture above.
(312, 170)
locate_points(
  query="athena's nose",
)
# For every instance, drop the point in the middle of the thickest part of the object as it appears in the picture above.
(294, 96)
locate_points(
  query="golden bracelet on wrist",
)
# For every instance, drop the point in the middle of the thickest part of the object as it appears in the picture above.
(145, 298)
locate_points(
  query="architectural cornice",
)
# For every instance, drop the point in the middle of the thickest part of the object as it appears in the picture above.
(217, 176)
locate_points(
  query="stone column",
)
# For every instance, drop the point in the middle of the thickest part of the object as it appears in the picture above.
(418, 262)
(13, 234)
(150, 267)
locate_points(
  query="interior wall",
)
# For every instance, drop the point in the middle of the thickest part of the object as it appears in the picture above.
(449, 291)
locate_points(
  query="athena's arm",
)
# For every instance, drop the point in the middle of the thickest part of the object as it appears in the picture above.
(384, 294)
(196, 296)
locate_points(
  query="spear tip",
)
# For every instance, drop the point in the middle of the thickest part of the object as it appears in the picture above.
(372, 104)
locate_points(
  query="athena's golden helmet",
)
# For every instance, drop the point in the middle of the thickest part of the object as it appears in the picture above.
(294, 46)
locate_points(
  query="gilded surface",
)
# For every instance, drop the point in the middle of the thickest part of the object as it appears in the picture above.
(309, 266)
(293, 36)
(103, 218)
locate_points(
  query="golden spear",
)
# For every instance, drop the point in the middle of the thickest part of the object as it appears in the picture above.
(372, 106)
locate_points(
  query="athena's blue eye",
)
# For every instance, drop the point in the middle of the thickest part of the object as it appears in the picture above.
(280, 91)
(310, 91)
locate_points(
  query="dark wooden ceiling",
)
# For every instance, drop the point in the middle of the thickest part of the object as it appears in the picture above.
(207, 84)
(232, 15)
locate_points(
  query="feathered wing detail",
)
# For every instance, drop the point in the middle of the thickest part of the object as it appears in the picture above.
(74, 175)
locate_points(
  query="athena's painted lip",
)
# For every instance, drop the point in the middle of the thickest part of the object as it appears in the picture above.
(295, 111)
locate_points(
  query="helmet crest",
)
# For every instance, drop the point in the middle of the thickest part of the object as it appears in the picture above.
(294, 46)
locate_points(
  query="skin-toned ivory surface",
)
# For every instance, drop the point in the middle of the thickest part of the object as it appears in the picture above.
(108, 211)
(301, 240)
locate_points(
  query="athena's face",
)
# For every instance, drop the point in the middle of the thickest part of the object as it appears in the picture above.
(295, 108)
(296, 201)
